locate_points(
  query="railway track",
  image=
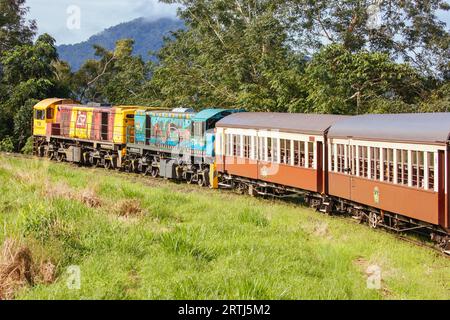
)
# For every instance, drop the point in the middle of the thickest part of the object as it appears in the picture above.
(409, 239)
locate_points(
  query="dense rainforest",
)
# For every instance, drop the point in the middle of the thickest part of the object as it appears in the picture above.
(341, 57)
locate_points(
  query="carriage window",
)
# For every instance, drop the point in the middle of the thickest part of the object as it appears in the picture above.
(391, 165)
(236, 145)
(363, 162)
(311, 154)
(285, 151)
(430, 156)
(269, 149)
(388, 165)
(262, 148)
(399, 167)
(302, 153)
(229, 144)
(402, 165)
(420, 169)
(332, 166)
(352, 160)
(39, 115)
(275, 150)
(375, 163)
(296, 153)
(340, 158)
(246, 147)
(414, 158)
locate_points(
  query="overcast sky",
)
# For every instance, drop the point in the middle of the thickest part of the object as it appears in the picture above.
(52, 16)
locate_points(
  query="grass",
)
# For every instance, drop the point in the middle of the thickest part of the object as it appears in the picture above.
(140, 238)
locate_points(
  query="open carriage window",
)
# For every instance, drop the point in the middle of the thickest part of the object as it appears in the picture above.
(430, 156)
(285, 151)
(363, 162)
(310, 154)
(247, 141)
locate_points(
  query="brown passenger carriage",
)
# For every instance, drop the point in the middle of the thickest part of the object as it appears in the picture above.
(274, 152)
(396, 165)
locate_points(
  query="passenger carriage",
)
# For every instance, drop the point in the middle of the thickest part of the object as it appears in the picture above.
(395, 167)
(274, 152)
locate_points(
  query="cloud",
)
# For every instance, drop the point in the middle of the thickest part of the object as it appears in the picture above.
(95, 15)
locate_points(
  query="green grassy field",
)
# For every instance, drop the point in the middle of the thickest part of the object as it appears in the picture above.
(140, 238)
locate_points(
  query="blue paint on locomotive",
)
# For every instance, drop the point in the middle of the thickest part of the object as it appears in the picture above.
(140, 117)
(191, 133)
(170, 130)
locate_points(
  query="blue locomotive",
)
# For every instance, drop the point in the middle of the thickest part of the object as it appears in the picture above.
(177, 144)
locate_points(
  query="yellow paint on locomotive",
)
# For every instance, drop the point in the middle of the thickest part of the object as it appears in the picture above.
(44, 113)
(124, 124)
(81, 123)
(213, 176)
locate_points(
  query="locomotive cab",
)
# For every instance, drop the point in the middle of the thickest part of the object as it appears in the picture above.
(204, 124)
(44, 115)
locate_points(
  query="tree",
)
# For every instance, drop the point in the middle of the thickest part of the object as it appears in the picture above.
(438, 100)
(409, 30)
(14, 28)
(343, 82)
(117, 77)
(233, 54)
(30, 61)
(29, 72)
(23, 121)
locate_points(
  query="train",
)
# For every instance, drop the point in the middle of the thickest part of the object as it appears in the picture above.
(386, 170)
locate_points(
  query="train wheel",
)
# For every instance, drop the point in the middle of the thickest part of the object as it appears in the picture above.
(155, 172)
(60, 157)
(373, 220)
(41, 151)
(50, 155)
(108, 164)
(201, 181)
(189, 178)
(133, 166)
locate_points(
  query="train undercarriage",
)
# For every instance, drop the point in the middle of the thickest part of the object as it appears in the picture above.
(162, 164)
(116, 156)
(329, 205)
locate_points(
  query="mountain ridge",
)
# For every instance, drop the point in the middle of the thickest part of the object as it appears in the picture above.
(148, 35)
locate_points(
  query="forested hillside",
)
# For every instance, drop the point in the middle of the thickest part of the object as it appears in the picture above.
(147, 35)
(341, 57)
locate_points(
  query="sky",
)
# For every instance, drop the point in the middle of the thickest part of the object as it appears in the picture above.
(73, 21)
(59, 18)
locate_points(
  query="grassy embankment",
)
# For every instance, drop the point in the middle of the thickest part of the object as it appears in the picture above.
(140, 238)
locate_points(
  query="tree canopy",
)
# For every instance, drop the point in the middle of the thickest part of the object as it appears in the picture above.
(341, 57)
